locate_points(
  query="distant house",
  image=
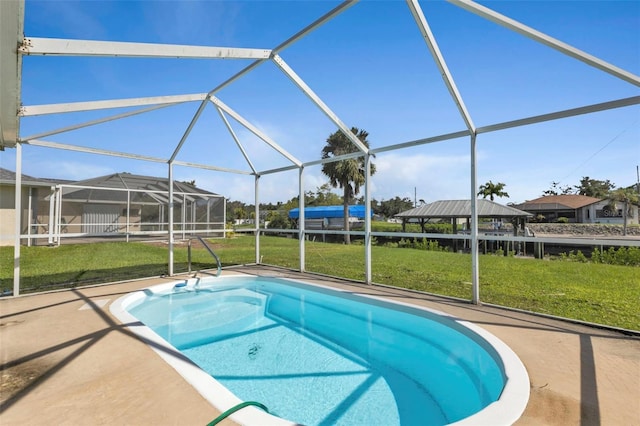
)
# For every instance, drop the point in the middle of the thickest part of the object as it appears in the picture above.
(328, 217)
(578, 209)
(120, 204)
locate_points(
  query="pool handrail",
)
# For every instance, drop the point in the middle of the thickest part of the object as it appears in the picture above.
(206, 246)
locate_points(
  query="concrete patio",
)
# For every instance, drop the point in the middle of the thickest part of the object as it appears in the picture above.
(67, 361)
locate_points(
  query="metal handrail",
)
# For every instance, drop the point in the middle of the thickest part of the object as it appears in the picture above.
(215, 256)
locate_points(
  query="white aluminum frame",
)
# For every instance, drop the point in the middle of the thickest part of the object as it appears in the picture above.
(45, 46)
(71, 47)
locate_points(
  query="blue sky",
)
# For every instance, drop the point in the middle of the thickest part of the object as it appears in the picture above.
(370, 66)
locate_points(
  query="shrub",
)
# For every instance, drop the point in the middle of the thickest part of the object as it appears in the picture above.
(279, 222)
(574, 256)
(562, 219)
(423, 244)
(627, 256)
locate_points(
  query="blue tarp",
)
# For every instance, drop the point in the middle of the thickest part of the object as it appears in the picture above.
(322, 212)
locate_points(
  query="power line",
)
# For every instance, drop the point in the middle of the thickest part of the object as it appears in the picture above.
(600, 150)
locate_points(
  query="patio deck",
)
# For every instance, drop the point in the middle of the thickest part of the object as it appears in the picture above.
(66, 360)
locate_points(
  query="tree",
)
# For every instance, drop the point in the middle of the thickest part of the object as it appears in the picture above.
(594, 187)
(323, 197)
(556, 189)
(626, 196)
(393, 206)
(492, 190)
(347, 174)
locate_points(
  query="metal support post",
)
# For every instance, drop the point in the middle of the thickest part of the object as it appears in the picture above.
(128, 213)
(301, 234)
(52, 202)
(170, 262)
(29, 216)
(475, 272)
(257, 219)
(367, 219)
(58, 228)
(18, 220)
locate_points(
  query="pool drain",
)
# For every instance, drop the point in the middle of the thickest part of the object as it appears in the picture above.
(253, 351)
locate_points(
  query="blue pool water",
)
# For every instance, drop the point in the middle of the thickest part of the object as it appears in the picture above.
(322, 357)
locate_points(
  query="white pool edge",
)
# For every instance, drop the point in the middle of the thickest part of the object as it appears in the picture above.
(515, 395)
(505, 411)
(208, 387)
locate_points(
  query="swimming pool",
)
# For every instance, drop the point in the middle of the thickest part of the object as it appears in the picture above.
(315, 355)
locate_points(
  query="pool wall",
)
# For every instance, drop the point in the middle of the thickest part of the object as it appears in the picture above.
(506, 410)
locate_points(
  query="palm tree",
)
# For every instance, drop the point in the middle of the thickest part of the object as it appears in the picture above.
(347, 174)
(492, 190)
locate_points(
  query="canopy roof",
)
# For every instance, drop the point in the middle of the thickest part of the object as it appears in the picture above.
(322, 212)
(461, 209)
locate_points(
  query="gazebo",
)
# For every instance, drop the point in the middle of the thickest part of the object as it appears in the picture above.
(454, 210)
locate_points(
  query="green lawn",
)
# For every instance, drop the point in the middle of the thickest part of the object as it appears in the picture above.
(605, 294)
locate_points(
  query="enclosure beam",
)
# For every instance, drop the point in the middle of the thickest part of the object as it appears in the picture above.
(189, 128)
(235, 138)
(475, 269)
(72, 47)
(367, 220)
(355, 154)
(619, 103)
(56, 145)
(214, 168)
(421, 21)
(286, 69)
(301, 227)
(94, 122)
(254, 130)
(257, 217)
(424, 141)
(32, 110)
(98, 151)
(556, 44)
(279, 169)
(315, 24)
(18, 220)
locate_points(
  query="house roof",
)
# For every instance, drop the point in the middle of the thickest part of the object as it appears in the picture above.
(156, 186)
(159, 186)
(558, 202)
(9, 177)
(130, 181)
(461, 208)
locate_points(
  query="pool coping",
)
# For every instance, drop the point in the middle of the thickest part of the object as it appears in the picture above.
(505, 411)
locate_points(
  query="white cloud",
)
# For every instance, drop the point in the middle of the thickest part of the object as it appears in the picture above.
(430, 177)
(70, 170)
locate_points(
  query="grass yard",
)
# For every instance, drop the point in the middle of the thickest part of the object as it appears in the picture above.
(605, 294)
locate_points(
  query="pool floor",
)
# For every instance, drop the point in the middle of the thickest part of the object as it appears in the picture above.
(293, 368)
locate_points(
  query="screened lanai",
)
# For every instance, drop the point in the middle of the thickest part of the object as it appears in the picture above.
(31, 123)
(127, 205)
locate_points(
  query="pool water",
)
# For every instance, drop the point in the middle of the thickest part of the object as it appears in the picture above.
(318, 357)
